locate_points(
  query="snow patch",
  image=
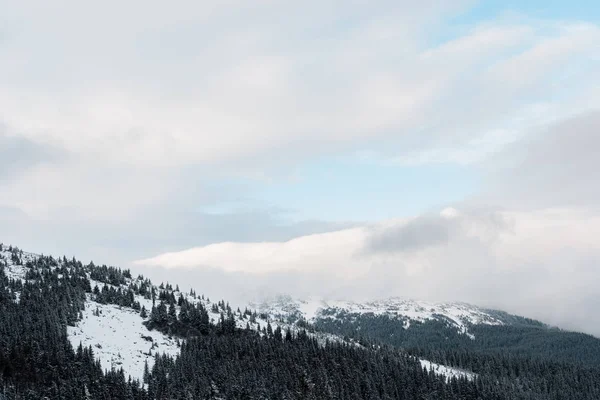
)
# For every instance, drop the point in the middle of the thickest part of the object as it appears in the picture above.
(119, 339)
(448, 372)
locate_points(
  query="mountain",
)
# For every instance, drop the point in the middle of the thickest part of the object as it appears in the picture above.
(423, 327)
(457, 315)
(70, 330)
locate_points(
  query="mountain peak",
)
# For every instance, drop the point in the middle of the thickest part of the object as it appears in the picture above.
(457, 314)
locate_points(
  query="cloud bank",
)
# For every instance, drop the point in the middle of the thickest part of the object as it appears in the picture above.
(537, 263)
(539, 259)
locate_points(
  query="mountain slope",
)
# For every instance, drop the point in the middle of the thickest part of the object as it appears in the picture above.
(102, 307)
(72, 331)
(458, 315)
(424, 327)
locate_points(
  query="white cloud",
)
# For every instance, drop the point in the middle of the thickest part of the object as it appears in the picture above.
(449, 213)
(537, 256)
(304, 254)
(226, 90)
(233, 91)
(540, 264)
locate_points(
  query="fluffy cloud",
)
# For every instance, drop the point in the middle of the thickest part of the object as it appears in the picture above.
(164, 101)
(168, 93)
(536, 256)
(538, 263)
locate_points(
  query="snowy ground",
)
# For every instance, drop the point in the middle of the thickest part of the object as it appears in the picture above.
(448, 372)
(119, 339)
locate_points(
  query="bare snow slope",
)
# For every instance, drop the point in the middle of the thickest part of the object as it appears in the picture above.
(119, 339)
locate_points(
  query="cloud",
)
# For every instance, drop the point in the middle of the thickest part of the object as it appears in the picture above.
(160, 229)
(420, 232)
(153, 111)
(18, 154)
(537, 256)
(306, 253)
(553, 168)
(544, 259)
(254, 89)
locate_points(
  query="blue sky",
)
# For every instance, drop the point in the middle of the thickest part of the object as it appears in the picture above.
(327, 190)
(585, 10)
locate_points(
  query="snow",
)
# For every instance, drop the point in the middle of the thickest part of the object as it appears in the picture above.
(448, 372)
(119, 339)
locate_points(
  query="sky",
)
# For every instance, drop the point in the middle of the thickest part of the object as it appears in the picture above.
(440, 150)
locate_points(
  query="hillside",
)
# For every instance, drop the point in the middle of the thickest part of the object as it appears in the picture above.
(76, 331)
(425, 327)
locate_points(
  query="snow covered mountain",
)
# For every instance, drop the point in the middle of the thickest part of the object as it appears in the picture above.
(458, 315)
(120, 338)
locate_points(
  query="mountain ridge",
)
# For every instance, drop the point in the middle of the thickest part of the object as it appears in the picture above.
(459, 314)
